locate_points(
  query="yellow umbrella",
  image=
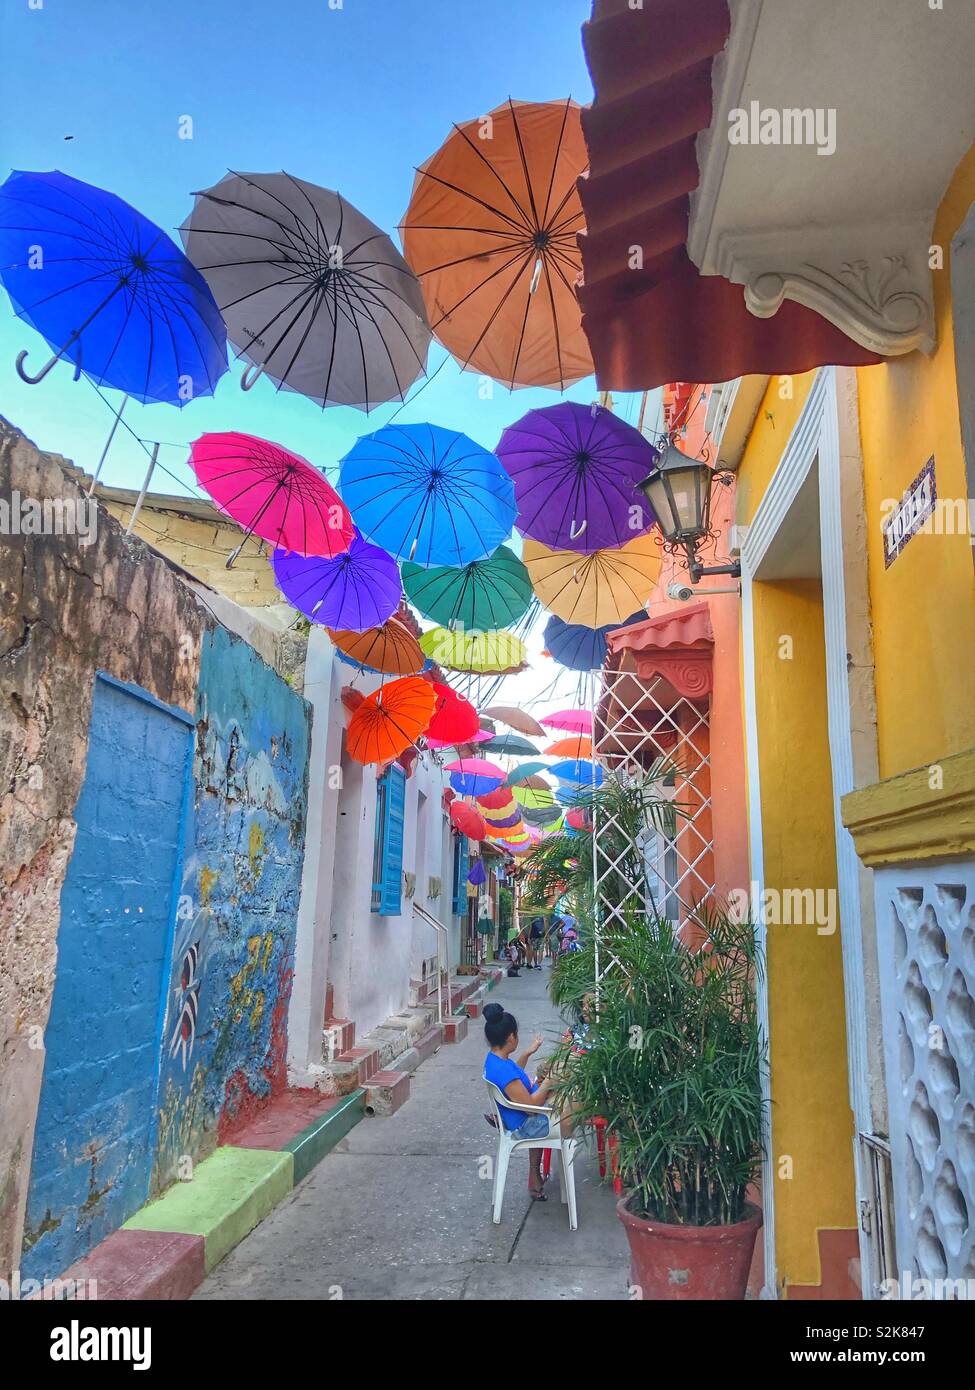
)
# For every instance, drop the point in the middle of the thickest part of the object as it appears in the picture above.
(598, 589)
(533, 797)
(495, 650)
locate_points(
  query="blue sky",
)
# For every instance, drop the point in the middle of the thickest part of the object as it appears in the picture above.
(351, 98)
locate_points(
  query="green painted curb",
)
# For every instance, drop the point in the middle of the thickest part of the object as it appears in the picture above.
(230, 1193)
(312, 1144)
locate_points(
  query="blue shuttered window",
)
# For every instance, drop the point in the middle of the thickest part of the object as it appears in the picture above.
(461, 861)
(387, 858)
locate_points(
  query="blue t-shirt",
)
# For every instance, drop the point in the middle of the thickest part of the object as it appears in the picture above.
(502, 1070)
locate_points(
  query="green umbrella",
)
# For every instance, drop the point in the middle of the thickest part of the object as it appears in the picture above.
(511, 744)
(522, 772)
(487, 593)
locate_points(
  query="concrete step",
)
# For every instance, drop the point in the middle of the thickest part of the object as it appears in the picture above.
(455, 1029)
(304, 1124)
(423, 1048)
(474, 1005)
(387, 1091)
(365, 1059)
(338, 1035)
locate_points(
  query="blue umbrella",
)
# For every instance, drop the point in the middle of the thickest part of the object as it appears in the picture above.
(427, 494)
(582, 648)
(108, 289)
(578, 772)
(473, 784)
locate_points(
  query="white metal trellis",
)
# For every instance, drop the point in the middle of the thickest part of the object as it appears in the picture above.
(636, 724)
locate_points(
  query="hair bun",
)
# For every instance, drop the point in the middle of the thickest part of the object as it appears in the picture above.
(492, 1011)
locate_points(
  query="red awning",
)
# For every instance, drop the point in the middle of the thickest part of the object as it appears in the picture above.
(651, 71)
(677, 645)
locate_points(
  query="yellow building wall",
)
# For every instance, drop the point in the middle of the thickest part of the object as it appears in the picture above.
(812, 1124)
(780, 409)
(923, 606)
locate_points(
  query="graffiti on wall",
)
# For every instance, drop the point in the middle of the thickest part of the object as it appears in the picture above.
(224, 1042)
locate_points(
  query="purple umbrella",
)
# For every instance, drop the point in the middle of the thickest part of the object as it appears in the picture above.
(354, 591)
(575, 469)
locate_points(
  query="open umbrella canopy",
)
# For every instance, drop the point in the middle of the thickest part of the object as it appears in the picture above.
(525, 772)
(579, 773)
(547, 817)
(111, 292)
(355, 590)
(428, 494)
(527, 795)
(516, 719)
(390, 649)
(454, 718)
(272, 493)
(314, 294)
(510, 745)
(467, 820)
(581, 648)
(390, 720)
(484, 594)
(491, 232)
(573, 721)
(466, 747)
(575, 469)
(500, 800)
(474, 652)
(598, 589)
(578, 747)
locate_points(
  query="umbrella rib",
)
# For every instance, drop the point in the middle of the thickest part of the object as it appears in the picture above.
(465, 193)
(524, 166)
(555, 158)
(480, 286)
(484, 160)
(300, 229)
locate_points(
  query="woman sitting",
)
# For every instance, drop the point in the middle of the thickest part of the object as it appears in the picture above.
(509, 1075)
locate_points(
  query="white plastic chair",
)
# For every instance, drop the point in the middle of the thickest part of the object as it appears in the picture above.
(508, 1142)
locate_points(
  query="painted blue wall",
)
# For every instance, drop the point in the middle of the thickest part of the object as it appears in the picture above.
(231, 969)
(95, 1132)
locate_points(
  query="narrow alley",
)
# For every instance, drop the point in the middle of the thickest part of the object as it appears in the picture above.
(401, 1208)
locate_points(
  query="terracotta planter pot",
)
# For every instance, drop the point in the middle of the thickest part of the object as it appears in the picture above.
(690, 1262)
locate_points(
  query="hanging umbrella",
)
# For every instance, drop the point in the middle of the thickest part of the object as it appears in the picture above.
(575, 469)
(390, 720)
(314, 294)
(464, 818)
(390, 649)
(573, 721)
(582, 648)
(355, 590)
(542, 815)
(428, 494)
(272, 493)
(582, 774)
(517, 719)
(498, 800)
(579, 747)
(466, 748)
(475, 652)
(527, 795)
(474, 776)
(108, 290)
(597, 589)
(511, 822)
(491, 232)
(484, 594)
(476, 874)
(578, 818)
(454, 719)
(525, 772)
(510, 745)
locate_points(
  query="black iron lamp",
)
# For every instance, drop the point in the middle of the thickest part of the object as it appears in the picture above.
(679, 491)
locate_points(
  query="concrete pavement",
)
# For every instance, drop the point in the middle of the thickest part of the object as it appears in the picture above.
(400, 1209)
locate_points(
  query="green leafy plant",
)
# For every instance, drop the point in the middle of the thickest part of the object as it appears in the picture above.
(673, 1060)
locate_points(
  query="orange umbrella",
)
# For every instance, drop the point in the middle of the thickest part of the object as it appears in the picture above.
(574, 748)
(516, 718)
(491, 233)
(390, 720)
(391, 649)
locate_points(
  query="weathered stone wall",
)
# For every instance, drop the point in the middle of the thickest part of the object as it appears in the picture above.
(68, 611)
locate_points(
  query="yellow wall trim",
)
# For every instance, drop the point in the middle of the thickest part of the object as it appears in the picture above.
(906, 818)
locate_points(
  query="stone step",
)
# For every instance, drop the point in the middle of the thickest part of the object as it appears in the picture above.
(365, 1059)
(474, 1006)
(387, 1091)
(455, 1029)
(338, 1035)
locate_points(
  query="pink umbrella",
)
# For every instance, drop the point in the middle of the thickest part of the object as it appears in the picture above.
(474, 776)
(272, 493)
(483, 736)
(574, 721)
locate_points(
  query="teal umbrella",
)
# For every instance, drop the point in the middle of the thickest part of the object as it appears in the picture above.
(522, 772)
(512, 745)
(484, 594)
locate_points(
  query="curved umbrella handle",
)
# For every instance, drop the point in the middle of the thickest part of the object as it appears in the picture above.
(247, 380)
(573, 533)
(33, 379)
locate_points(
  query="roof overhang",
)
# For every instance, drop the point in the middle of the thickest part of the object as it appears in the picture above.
(706, 259)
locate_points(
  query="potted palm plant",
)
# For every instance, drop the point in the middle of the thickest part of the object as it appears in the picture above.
(671, 1062)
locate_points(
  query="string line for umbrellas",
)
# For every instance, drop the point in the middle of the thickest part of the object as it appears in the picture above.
(144, 445)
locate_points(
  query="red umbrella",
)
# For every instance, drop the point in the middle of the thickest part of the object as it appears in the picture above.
(390, 720)
(496, 800)
(454, 718)
(464, 818)
(272, 493)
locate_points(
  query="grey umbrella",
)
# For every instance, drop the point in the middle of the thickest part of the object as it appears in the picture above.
(313, 294)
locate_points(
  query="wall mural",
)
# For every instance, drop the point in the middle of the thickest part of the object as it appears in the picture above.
(224, 1040)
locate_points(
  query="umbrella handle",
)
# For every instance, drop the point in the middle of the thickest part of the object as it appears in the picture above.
(246, 379)
(573, 533)
(32, 380)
